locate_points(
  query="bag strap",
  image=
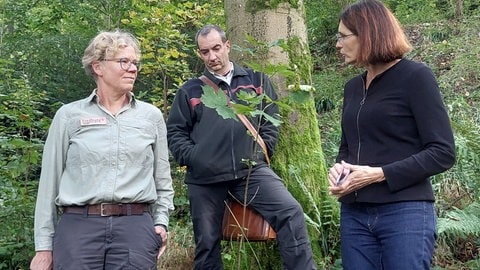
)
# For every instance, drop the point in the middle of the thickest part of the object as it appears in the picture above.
(243, 119)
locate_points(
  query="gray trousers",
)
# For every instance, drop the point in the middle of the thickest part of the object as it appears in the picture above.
(94, 242)
(269, 196)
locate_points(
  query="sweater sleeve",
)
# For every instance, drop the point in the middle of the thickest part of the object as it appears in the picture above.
(434, 130)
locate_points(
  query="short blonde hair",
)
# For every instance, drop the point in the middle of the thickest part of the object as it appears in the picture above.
(105, 45)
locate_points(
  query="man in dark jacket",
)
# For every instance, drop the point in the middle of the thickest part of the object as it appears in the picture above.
(215, 151)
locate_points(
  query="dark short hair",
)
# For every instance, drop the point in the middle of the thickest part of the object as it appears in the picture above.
(380, 35)
(206, 30)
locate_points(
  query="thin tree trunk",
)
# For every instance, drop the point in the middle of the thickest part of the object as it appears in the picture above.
(459, 9)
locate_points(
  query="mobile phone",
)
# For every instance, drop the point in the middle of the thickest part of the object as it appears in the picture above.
(341, 178)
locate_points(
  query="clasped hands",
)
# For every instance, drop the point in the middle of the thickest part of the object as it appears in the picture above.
(345, 178)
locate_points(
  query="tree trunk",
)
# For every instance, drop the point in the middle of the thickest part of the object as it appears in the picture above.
(459, 9)
(298, 157)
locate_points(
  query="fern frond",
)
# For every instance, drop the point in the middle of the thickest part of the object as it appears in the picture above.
(461, 222)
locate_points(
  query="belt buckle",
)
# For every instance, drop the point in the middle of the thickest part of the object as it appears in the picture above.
(102, 209)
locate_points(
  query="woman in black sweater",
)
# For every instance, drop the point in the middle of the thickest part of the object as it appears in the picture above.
(396, 133)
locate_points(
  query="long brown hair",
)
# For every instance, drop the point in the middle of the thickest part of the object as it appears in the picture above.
(379, 33)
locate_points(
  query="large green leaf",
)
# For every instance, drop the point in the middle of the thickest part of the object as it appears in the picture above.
(217, 101)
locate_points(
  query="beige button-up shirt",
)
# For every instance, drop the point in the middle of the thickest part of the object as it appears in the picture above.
(91, 156)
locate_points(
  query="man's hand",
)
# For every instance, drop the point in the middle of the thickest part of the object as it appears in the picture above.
(160, 230)
(43, 260)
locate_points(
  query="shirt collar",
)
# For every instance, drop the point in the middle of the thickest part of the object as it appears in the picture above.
(227, 77)
(94, 97)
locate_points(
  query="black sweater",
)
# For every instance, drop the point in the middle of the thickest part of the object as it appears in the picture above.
(215, 149)
(400, 124)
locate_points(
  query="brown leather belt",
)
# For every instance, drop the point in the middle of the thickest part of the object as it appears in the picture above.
(108, 209)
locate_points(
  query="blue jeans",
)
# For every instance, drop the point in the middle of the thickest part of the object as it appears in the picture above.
(388, 236)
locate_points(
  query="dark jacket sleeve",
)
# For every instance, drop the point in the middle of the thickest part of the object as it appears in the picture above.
(179, 127)
(268, 131)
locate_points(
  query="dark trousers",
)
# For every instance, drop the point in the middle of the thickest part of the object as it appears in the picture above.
(267, 194)
(94, 242)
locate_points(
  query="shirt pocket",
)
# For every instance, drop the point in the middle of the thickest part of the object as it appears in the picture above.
(136, 143)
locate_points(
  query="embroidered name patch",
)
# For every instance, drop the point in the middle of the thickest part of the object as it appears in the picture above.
(93, 121)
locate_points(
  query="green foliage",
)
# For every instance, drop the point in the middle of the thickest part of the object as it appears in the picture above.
(218, 101)
(16, 236)
(300, 61)
(415, 11)
(461, 222)
(256, 52)
(248, 106)
(322, 25)
(418, 11)
(247, 255)
(22, 126)
(323, 218)
(302, 164)
(459, 238)
(57, 71)
(328, 102)
(46, 39)
(166, 31)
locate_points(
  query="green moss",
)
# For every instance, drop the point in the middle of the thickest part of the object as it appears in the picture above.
(300, 162)
(300, 60)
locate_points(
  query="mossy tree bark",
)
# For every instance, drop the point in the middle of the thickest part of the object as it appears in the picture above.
(298, 158)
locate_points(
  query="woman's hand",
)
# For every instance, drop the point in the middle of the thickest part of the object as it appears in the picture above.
(43, 260)
(160, 230)
(356, 177)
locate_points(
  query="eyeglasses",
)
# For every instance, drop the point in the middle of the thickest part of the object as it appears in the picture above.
(340, 37)
(126, 63)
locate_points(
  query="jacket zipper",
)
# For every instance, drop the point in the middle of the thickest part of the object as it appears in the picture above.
(358, 120)
(358, 125)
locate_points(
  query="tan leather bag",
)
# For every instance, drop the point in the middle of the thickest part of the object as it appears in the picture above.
(252, 226)
(241, 221)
